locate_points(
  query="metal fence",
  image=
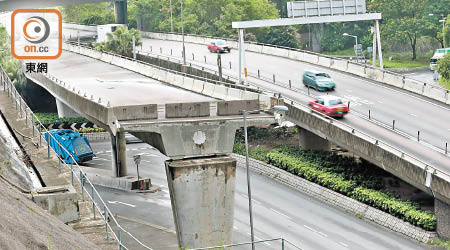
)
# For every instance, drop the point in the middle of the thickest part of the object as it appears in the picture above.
(113, 229)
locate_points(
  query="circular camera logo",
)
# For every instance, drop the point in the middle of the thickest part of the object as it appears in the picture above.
(36, 29)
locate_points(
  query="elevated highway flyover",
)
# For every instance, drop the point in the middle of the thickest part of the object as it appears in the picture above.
(415, 162)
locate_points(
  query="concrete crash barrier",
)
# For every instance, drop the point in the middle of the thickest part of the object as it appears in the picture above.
(198, 86)
(179, 80)
(253, 48)
(311, 58)
(79, 27)
(393, 79)
(170, 78)
(339, 64)
(247, 95)
(184, 110)
(356, 69)
(414, 86)
(206, 218)
(436, 93)
(188, 83)
(236, 107)
(296, 55)
(282, 52)
(137, 112)
(325, 61)
(375, 74)
(269, 50)
(234, 94)
(220, 92)
(208, 89)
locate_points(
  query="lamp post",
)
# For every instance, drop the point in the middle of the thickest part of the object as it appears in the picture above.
(182, 34)
(356, 43)
(443, 30)
(171, 17)
(249, 192)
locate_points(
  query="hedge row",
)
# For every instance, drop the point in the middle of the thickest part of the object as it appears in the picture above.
(49, 118)
(319, 168)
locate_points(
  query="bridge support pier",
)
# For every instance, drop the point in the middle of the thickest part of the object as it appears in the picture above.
(65, 111)
(202, 195)
(120, 11)
(311, 141)
(119, 154)
(442, 211)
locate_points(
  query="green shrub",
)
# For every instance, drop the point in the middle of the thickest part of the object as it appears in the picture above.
(343, 175)
(49, 118)
(89, 130)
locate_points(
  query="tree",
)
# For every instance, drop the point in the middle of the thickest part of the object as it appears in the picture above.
(283, 36)
(120, 41)
(444, 67)
(402, 20)
(437, 10)
(11, 65)
(92, 13)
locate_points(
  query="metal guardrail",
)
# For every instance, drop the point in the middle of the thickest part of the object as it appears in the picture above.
(245, 88)
(284, 245)
(294, 49)
(37, 130)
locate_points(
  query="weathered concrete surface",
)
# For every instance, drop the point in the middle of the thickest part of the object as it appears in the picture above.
(236, 107)
(65, 111)
(202, 194)
(60, 201)
(190, 137)
(184, 110)
(103, 178)
(311, 141)
(442, 211)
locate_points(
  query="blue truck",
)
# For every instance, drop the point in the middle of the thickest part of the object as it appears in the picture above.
(73, 142)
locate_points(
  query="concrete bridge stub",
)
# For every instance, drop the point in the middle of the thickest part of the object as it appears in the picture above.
(442, 212)
(202, 194)
(65, 111)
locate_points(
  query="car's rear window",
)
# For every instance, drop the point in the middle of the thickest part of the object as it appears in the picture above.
(323, 75)
(335, 102)
(220, 42)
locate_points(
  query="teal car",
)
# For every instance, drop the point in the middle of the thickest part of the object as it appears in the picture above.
(318, 80)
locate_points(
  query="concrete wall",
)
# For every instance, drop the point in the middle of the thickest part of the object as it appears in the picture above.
(65, 111)
(442, 211)
(61, 204)
(310, 141)
(202, 194)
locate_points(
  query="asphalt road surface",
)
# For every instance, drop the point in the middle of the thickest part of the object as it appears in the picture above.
(411, 112)
(278, 210)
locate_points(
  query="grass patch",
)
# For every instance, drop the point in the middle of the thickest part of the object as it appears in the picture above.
(399, 60)
(445, 244)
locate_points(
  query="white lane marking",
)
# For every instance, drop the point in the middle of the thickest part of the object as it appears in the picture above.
(99, 153)
(280, 213)
(310, 229)
(123, 203)
(134, 149)
(342, 243)
(109, 151)
(255, 201)
(315, 231)
(413, 115)
(348, 90)
(324, 235)
(235, 227)
(257, 238)
(380, 102)
(146, 161)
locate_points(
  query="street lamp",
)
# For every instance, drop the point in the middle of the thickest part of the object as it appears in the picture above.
(171, 17)
(443, 34)
(245, 113)
(182, 34)
(356, 43)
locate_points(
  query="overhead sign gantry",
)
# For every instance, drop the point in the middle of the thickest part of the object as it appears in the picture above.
(311, 12)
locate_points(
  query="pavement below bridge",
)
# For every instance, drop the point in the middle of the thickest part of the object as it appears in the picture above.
(278, 211)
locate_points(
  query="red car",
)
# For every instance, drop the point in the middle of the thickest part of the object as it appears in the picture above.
(329, 105)
(218, 46)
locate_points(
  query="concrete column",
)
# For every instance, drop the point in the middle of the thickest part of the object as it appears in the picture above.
(442, 211)
(120, 11)
(119, 154)
(202, 194)
(65, 111)
(310, 141)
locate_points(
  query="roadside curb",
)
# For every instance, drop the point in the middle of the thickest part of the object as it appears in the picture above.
(349, 205)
